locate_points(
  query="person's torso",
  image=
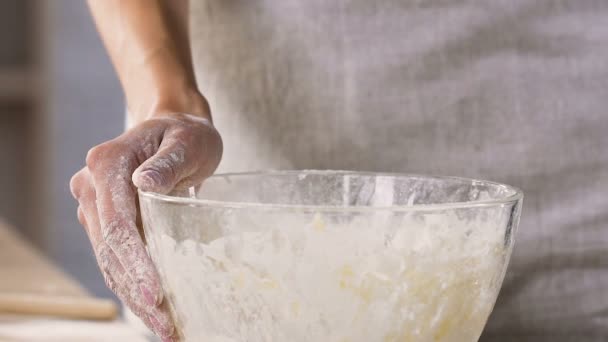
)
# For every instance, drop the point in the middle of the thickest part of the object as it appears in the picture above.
(512, 90)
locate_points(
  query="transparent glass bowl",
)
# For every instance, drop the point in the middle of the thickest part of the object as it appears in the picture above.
(332, 256)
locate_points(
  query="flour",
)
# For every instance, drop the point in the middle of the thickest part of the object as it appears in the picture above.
(431, 277)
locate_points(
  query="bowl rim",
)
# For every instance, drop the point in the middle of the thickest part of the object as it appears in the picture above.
(517, 194)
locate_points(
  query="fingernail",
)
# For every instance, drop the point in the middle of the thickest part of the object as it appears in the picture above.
(155, 323)
(148, 296)
(161, 330)
(152, 177)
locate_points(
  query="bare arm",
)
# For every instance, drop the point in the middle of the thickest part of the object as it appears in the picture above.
(172, 145)
(149, 46)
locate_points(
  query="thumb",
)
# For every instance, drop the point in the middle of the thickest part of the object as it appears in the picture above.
(163, 170)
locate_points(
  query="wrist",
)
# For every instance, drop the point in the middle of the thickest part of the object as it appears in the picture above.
(188, 101)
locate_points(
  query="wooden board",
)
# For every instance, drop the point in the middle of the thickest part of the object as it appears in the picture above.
(32, 285)
(25, 270)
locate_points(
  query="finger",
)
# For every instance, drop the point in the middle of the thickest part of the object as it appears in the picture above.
(165, 169)
(78, 183)
(156, 318)
(83, 221)
(122, 295)
(83, 191)
(115, 276)
(185, 157)
(87, 208)
(117, 214)
(81, 218)
(169, 339)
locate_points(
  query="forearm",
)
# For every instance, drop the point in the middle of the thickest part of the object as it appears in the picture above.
(149, 46)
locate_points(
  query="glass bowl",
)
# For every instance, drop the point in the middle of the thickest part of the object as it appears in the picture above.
(332, 255)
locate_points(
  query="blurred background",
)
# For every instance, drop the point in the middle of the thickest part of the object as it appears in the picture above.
(59, 96)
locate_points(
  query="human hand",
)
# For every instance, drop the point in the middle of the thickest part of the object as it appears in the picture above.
(163, 153)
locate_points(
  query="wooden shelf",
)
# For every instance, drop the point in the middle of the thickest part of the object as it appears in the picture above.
(15, 84)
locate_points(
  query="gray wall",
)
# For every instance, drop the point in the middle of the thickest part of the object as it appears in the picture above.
(16, 112)
(85, 107)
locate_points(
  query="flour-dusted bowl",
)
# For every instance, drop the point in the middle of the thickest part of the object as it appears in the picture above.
(332, 256)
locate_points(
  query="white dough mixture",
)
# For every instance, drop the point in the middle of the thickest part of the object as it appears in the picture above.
(337, 282)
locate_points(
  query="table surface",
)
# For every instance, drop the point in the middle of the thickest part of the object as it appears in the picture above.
(23, 269)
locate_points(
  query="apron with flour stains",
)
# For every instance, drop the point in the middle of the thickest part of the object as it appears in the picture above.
(514, 91)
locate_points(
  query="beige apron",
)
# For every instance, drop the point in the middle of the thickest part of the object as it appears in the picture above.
(510, 90)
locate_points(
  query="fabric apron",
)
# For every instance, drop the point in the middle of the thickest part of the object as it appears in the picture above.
(514, 91)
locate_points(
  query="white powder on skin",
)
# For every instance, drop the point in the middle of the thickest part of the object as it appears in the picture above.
(433, 278)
